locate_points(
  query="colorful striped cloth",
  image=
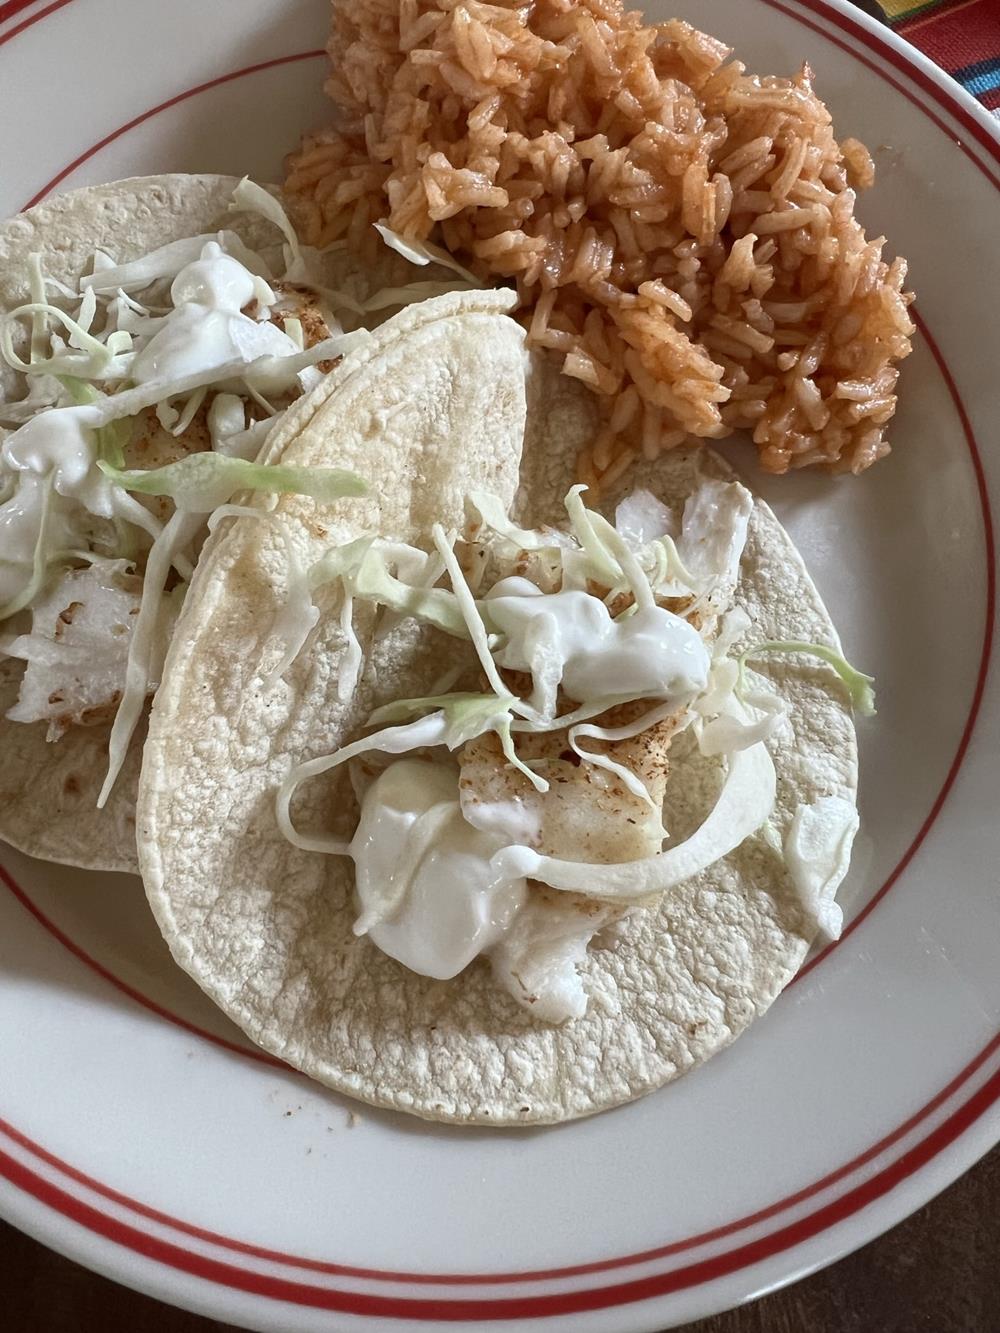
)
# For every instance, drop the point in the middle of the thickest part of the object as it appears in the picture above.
(962, 36)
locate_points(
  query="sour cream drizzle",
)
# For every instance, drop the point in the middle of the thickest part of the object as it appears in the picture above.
(571, 638)
(429, 891)
(206, 330)
(429, 897)
(206, 326)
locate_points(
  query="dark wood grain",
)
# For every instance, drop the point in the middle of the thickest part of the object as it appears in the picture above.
(938, 1271)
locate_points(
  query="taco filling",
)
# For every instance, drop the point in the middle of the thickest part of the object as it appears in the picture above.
(142, 393)
(482, 796)
(517, 813)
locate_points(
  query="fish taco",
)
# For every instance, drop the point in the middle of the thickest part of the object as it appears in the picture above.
(482, 797)
(153, 333)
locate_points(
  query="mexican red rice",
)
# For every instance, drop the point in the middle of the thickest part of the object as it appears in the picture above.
(682, 234)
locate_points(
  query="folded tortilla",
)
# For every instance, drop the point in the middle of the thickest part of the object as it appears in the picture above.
(49, 789)
(266, 929)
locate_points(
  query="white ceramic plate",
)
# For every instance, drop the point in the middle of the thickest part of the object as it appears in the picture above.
(141, 1136)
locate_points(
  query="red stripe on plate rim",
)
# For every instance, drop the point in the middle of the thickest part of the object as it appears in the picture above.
(704, 1271)
(527, 1275)
(12, 7)
(16, 6)
(945, 90)
(205, 87)
(985, 657)
(517, 1307)
(107, 975)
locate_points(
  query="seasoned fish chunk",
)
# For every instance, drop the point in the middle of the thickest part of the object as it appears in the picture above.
(588, 813)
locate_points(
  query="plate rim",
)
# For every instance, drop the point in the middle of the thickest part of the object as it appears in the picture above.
(963, 108)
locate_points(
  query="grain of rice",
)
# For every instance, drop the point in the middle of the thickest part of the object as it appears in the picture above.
(787, 220)
(625, 410)
(744, 333)
(625, 459)
(859, 164)
(681, 233)
(753, 152)
(726, 345)
(659, 292)
(603, 449)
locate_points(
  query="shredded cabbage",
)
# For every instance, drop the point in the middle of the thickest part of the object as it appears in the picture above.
(300, 260)
(334, 297)
(148, 638)
(363, 567)
(619, 550)
(187, 414)
(167, 262)
(423, 253)
(203, 481)
(112, 438)
(859, 686)
(247, 443)
(255, 199)
(425, 732)
(270, 374)
(604, 569)
(728, 716)
(493, 514)
(593, 708)
(472, 617)
(623, 733)
(736, 729)
(85, 315)
(352, 658)
(298, 617)
(91, 358)
(413, 291)
(128, 515)
(39, 559)
(241, 511)
(39, 299)
(466, 717)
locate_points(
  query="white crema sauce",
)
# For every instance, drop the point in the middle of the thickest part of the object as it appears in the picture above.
(207, 326)
(429, 896)
(57, 449)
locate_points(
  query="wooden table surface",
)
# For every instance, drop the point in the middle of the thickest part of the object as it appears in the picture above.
(938, 1271)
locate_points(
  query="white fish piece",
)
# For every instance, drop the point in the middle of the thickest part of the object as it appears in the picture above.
(538, 958)
(588, 813)
(77, 649)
